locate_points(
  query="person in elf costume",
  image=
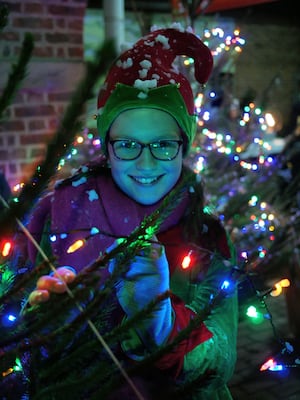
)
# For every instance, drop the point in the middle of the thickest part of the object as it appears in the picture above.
(146, 122)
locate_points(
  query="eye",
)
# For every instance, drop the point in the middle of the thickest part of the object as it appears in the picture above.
(128, 144)
(163, 144)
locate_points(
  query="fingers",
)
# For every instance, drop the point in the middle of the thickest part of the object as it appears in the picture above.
(45, 285)
(153, 251)
(38, 296)
(51, 283)
(156, 251)
(56, 283)
(147, 261)
(66, 273)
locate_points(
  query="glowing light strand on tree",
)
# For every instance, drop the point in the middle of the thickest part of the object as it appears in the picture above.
(80, 308)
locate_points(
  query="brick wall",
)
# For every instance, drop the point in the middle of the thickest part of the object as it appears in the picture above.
(53, 72)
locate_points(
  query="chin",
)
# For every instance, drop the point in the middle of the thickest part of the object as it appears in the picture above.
(147, 200)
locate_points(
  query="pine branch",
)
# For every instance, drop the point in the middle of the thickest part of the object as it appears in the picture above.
(3, 15)
(149, 360)
(135, 242)
(17, 74)
(25, 281)
(53, 322)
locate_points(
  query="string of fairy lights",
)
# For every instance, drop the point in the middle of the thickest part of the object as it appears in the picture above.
(257, 156)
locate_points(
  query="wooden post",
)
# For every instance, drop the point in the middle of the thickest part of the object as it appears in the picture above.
(114, 21)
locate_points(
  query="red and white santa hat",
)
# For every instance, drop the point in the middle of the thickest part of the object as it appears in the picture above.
(145, 76)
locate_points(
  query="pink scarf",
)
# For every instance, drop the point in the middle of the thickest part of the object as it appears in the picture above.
(92, 208)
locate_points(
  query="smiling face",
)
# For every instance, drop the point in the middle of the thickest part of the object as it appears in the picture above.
(145, 179)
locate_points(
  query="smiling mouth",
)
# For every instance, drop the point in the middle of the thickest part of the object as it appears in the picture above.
(145, 181)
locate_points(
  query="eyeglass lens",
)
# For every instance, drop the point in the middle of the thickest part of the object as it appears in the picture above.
(161, 150)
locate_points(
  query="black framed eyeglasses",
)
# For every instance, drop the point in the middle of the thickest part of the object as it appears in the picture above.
(128, 150)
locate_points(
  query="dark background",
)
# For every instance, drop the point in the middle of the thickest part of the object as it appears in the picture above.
(278, 11)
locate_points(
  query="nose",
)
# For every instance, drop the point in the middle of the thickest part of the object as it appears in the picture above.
(145, 160)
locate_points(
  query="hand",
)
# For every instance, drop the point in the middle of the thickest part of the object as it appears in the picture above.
(55, 283)
(146, 278)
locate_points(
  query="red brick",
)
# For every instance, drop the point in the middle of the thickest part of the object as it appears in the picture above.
(62, 96)
(61, 109)
(20, 97)
(11, 140)
(75, 52)
(37, 37)
(32, 23)
(53, 124)
(36, 125)
(43, 52)
(60, 22)
(12, 126)
(66, 10)
(10, 36)
(32, 111)
(33, 8)
(27, 22)
(4, 155)
(47, 23)
(33, 96)
(75, 38)
(76, 24)
(14, 7)
(18, 153)
(60, 52)
(40, 138)
(57, 37)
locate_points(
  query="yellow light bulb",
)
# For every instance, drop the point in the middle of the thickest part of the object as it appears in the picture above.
(277, 291)
(284, 282)
(75, 246)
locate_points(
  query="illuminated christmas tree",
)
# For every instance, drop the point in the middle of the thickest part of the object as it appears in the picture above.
(237, 140)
